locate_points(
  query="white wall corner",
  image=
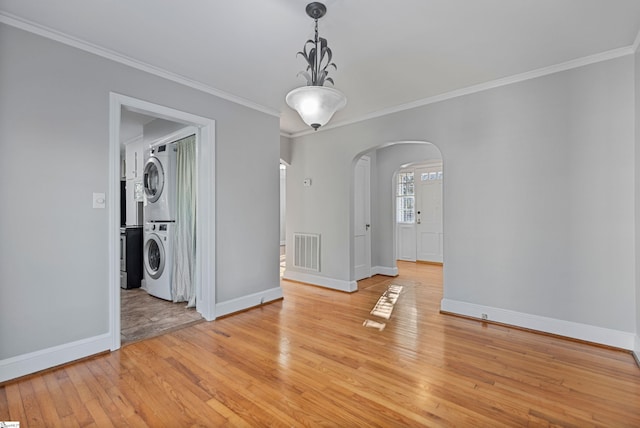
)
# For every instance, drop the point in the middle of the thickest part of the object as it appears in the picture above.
(322, 281)
(585, 332)
(384, 270)
(636, 350)
(21, 365)
(249, 301)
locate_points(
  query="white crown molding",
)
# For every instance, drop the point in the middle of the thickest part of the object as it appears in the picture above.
(58, 36)
(534, 74)
(66, 39)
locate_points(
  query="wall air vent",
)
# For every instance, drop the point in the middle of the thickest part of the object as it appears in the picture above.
(306, 251)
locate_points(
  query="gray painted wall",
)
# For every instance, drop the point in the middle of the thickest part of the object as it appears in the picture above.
(285, 155)
(158, 128)
(54, 139)
(538, 195)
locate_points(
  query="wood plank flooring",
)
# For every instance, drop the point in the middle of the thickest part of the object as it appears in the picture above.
(309, 361)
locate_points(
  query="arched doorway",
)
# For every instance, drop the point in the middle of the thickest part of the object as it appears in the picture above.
(386, 160)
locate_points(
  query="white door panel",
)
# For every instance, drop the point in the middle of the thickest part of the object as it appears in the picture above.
(406, 234)
(362, 220)
(429, 213)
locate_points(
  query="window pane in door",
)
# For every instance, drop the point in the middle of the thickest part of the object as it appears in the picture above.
(405, 190)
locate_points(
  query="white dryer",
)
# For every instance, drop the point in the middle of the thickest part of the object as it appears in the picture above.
(160, 183)
(158, 258)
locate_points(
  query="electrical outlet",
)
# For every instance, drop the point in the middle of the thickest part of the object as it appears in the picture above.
(485, 316)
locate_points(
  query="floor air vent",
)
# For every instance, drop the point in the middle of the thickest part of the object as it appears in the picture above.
(306, 247)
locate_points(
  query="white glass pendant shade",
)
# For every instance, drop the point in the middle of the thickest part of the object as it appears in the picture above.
(316, 104)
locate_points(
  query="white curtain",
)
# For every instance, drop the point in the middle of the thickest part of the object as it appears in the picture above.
(183, 287)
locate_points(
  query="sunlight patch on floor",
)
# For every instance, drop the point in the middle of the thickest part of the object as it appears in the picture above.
(384, 306)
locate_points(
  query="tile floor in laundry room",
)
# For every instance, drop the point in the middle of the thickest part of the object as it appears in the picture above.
(143, 316)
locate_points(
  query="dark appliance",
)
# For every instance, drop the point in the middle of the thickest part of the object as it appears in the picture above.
(123, 203)
(130, 257)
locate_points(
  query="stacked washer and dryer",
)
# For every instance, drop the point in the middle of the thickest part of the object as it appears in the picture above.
(160, 218)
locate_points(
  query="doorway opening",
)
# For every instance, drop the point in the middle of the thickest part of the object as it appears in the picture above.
(204, 278)
(156, 233)
(418, 209)
(386, 160)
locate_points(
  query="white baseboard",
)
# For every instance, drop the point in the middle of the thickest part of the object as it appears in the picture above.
(636, 350)
(322, 281)
(384, 270)
(246, 302)
(586, 332)
(32, 362)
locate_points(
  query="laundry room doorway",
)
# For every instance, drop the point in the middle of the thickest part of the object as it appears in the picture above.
(164, 130)
(159, 235)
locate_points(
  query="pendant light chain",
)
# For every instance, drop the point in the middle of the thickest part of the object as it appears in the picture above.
(317, 67)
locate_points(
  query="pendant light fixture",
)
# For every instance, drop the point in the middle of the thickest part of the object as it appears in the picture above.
(316, 103)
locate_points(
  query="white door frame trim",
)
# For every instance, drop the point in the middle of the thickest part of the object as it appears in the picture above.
(205, 215)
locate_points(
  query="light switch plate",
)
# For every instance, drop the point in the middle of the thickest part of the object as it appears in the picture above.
(99, 200)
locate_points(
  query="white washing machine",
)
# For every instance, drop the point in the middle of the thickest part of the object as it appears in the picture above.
(158, 258)
(160, 183)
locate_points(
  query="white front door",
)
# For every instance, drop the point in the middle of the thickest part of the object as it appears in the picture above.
(429, 234)
(405, 216)
(362, 219)
(406, 242)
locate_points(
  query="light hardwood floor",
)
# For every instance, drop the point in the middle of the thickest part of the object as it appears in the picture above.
(309, 361)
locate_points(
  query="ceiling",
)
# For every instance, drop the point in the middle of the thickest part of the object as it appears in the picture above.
(388, 53)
